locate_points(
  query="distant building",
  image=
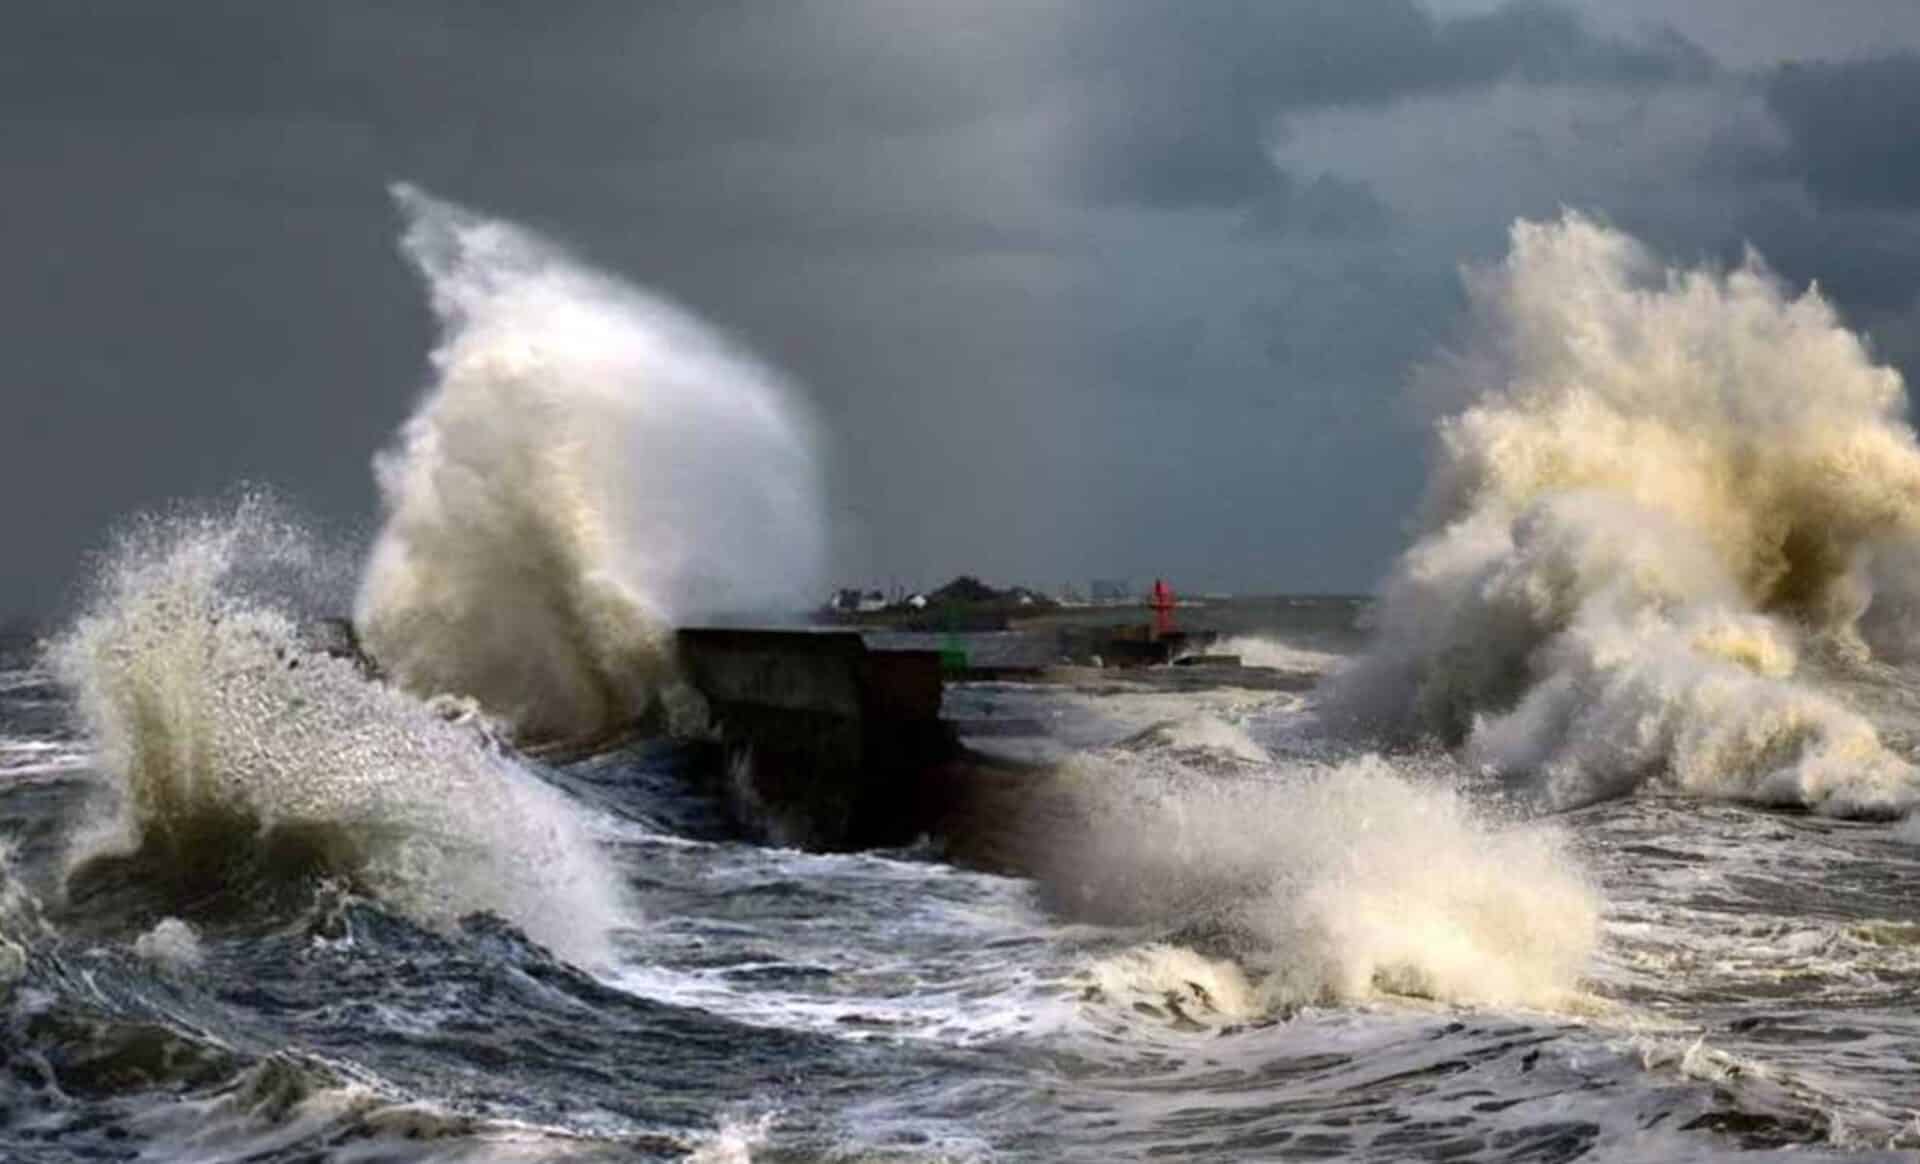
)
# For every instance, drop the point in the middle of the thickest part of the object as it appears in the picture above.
(852, 600)
(1110, 590)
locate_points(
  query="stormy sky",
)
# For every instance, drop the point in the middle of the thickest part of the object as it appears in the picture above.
(1080, 287)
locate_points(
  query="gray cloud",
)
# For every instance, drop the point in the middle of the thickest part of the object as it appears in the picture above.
(1187, 96)
(1324, 206)
(1755, 35)
(1080, 287)
(1851, 127)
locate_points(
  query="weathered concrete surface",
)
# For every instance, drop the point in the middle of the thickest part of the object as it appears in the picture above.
(828, 745)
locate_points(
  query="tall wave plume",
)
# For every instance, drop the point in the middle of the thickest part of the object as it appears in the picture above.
(590, 467)
(1660, 513)
(237, 759)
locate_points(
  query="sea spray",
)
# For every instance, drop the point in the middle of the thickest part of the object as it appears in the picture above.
(235, 759)
(1663, 489)
(1275, 654)
(21, 925)
(590, 467)
(172, 945)
(1322, 884)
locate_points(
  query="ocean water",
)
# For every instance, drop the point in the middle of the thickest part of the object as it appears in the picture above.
(1590, 838)
(1320, 953)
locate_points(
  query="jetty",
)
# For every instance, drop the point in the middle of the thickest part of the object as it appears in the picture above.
(825, 743)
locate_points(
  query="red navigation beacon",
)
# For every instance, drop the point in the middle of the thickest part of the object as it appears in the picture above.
(1162, 603)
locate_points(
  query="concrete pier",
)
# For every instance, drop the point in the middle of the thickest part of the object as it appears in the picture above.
(828, 745)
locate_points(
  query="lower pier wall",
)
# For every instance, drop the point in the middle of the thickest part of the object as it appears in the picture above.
(828, 744)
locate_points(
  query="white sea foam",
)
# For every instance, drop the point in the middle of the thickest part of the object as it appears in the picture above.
(22, 760)
(23, 680)
(1908, 830)
(916, 951)
(1327, 885)
(734, 1140)
(1663, 489)
(230, 750)
(172, 944)
(1178, 982)
(21, 924)
(302, 1106)
(1264, 651)
(1197, 735)
(590, 467)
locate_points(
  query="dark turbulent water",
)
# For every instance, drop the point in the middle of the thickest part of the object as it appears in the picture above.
(1751, 983)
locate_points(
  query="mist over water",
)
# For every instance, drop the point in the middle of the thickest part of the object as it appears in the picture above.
(591, 467)
(1656, 520)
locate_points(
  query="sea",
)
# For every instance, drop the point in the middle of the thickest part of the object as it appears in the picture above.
(1345, 955)
(1587, 834)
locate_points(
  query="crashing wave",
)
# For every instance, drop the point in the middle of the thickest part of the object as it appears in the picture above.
(1321, 885)
(1664, 490)
(233, 757)
(591, 467)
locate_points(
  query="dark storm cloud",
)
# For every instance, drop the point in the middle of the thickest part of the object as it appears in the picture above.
(1852, 127)
(1324, 206)
(597, 74)
(1079, 287)
(199, 282)
(1187, 95)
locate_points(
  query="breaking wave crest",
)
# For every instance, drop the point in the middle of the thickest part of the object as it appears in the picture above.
(1666, 492)
(591, 467)
(1322, 885)
(1275, 654)
(235, 756)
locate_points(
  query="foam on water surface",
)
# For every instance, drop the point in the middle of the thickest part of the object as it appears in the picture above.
(1275, 653)
(861, 947)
